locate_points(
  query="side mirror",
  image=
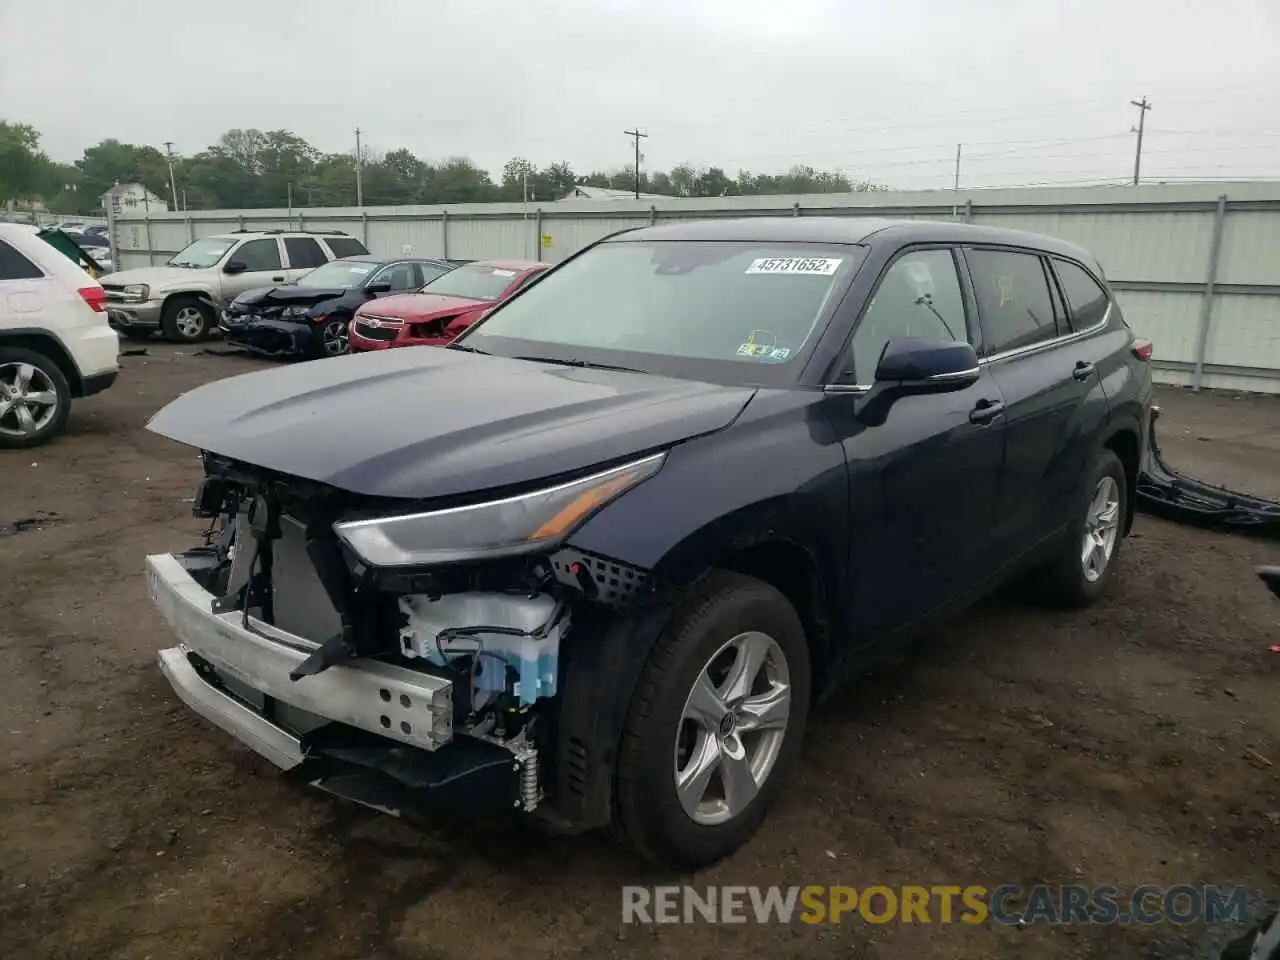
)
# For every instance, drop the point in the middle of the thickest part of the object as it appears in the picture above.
(382, 286)
(235, 266)
(911, 365)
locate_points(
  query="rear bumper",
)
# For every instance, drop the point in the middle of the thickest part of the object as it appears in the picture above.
(97, 383)
(389, 701)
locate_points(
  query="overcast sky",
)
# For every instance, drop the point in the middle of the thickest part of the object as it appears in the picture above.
(1037, 90)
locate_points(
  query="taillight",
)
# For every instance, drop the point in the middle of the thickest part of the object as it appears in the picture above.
(95, 297)
(1142, 349)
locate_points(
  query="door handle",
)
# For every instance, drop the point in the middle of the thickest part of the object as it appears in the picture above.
(1084, 370)
(985, 411)
(277, 279)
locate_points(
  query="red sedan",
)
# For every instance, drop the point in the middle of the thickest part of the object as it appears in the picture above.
(442, 309)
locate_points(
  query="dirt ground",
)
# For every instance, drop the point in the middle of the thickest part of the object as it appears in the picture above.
(1019, 746)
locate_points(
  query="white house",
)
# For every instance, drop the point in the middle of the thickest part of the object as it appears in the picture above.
(132, 198)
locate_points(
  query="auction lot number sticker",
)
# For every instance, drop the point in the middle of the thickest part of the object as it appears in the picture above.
(805, 266)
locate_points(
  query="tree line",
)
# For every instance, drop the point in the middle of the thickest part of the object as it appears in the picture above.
(257, 168)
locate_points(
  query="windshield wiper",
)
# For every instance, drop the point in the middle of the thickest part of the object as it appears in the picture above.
(463, 346)
(575, 362)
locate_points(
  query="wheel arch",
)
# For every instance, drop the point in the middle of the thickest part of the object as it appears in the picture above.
(44, 342)
(1123, 440)
(204, 296)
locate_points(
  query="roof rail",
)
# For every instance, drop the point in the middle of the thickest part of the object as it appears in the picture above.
(314, 233)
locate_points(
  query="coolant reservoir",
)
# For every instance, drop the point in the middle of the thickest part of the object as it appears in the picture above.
(534, 661)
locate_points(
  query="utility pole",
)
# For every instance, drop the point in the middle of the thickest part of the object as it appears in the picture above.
(359, 164)
(173, 186)
(955, 186)
(637, 136)
(1143, 106)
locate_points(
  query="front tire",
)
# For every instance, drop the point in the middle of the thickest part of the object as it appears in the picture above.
(715, 725)
(187, 320)
(1080, 573)
(330, 338)
(35, 399)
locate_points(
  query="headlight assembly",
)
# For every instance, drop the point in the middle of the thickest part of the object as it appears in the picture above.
(294, 313)
(137, 292)
(521, 524)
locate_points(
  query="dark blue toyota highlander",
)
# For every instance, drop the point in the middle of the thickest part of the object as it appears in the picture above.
(598, 559)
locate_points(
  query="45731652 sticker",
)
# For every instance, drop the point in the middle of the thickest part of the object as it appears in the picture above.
(804, 266)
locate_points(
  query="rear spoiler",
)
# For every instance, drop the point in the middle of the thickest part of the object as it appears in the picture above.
(1166, 493)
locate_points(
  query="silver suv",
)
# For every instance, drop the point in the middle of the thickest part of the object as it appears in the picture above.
(184, 297)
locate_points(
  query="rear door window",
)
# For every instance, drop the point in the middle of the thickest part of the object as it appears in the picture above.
(303, 253)
(1086, 298)
(346, 246)
(15, 266)
(1014, 302)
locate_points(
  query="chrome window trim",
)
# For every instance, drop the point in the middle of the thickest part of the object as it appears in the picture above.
(1046, 344)
(862, 388)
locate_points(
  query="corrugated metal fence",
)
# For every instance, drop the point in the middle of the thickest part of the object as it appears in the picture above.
(1196, 266)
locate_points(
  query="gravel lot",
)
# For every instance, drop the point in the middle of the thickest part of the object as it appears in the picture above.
(1018, 746)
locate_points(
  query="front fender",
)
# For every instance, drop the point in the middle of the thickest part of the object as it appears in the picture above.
(776, 475)
(202, 291)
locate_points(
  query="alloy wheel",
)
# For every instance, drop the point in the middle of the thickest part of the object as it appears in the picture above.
(334, 338)
(28, 399)
(189, 322)
(732, 728)
(1101, 528)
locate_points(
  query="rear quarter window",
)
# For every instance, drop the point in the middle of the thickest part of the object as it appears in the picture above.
(15, 265)
(1087, 301)
(346, 246)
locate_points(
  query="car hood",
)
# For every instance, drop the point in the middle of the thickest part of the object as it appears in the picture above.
(420, 424)
(417, 307)
(288, 295)
(158, 277)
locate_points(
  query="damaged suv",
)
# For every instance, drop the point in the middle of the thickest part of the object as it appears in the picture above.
(668, 498)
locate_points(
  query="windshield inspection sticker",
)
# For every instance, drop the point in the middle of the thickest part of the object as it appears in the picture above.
(503, 273)
(763, 345)
(806, 266)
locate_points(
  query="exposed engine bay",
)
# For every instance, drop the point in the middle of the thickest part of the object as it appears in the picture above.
(459, 661)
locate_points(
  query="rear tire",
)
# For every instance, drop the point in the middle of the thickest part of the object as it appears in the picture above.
(35, 399)
(733, 626)
(187, 320)
(1078, 577)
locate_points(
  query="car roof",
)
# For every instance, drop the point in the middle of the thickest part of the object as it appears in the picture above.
(859, 230)
(260, 234)
(374, 258)
(507, 264)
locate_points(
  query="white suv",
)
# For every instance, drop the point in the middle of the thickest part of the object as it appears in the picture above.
(55, 343)
(183, 298)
